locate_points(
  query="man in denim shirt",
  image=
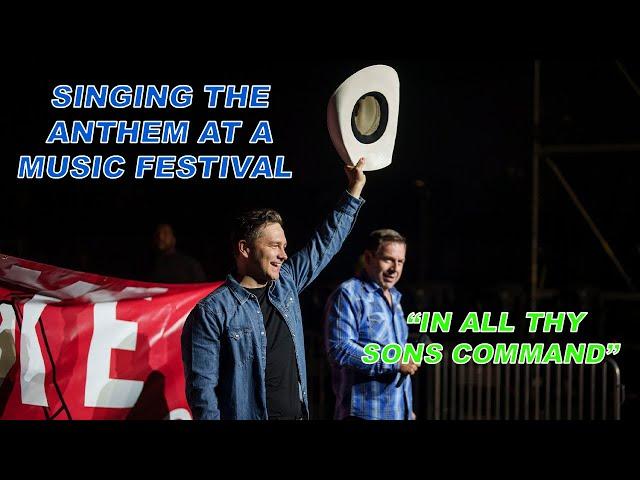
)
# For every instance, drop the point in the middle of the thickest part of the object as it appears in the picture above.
(243, 345)
(366, 309)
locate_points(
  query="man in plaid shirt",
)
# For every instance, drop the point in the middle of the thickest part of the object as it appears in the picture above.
(366, 309)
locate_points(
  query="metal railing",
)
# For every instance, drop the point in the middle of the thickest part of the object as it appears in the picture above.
(448, 391)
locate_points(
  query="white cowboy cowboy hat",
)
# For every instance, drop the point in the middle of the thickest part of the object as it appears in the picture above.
(362, 116)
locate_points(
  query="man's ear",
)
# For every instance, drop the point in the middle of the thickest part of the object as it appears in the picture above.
(368, 255)
(243, 248)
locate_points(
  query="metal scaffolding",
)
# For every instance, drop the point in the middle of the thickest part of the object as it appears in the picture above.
(545, 152)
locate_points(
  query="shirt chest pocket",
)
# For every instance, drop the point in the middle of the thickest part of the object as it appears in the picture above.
(241, 344)
(375, 327)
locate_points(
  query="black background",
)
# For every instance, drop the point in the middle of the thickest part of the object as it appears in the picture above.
(459, 187)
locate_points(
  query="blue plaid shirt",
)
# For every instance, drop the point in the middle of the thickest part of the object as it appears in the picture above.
(357, 314)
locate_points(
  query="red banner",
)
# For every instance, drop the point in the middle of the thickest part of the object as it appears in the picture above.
(83, 346)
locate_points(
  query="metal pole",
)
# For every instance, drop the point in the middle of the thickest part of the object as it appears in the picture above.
(605, 245)
(535, 191)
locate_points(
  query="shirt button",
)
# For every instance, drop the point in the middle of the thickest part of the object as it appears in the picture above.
(261, 333)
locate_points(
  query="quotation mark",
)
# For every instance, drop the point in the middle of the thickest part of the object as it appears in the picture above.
(613, 348)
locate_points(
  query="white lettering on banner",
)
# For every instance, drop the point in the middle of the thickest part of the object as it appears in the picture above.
(109, 333)
(91, 292)
(29, 278)
(75, 290)
(23, 276)
(32, 369)
(125, 294)
(7, 340)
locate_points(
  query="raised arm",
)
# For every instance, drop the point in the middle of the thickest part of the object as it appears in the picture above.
(326, 241)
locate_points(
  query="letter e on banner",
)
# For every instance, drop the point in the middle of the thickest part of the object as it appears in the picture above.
(109, 333)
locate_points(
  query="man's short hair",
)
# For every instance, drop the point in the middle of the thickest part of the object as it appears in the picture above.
(248, 225)
(378, 237)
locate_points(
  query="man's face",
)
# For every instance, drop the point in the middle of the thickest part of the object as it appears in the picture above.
(163, 239)
(267, 254)
(385, 266)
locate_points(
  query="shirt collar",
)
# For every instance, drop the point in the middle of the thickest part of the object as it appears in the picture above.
(371, 286)
(238, 291)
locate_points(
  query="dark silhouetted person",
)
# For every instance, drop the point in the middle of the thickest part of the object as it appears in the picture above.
(171, 265)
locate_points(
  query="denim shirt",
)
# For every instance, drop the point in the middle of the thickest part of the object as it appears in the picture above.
(224, 342)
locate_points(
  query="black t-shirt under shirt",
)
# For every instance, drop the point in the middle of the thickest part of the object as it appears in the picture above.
(281, 376)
